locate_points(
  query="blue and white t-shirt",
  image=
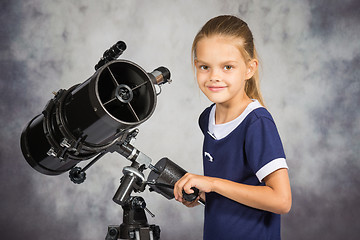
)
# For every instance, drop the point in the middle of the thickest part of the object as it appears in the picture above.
(244, 150)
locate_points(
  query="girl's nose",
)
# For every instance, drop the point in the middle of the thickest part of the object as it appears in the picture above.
(215, 75)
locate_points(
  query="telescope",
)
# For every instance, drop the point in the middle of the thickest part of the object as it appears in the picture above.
(100, 116)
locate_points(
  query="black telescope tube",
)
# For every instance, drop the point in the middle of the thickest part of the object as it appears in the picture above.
(88, 118)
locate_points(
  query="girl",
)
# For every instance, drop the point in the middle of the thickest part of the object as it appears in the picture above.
(245, 184)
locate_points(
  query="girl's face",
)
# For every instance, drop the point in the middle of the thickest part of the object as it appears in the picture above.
(221, 71)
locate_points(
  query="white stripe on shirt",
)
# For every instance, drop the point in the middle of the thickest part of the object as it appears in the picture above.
(271, 167)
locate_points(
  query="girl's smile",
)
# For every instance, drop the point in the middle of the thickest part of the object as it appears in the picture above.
(214, 88)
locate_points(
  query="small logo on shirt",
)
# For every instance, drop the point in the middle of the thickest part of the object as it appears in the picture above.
(209, 157)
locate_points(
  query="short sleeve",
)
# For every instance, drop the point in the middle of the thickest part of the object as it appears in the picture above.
(263, 147)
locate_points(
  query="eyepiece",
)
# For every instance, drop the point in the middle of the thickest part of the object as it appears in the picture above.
(111, 54)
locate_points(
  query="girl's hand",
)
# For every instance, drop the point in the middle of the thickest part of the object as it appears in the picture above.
(204, 184)
(191, 204)
(196, 202)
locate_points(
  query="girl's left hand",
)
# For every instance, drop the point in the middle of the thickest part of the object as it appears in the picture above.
(189, 180)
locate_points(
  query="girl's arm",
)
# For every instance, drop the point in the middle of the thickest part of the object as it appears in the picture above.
(275, 196)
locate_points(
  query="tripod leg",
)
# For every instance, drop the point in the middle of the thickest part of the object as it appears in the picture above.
(137, 234)
(151, 235)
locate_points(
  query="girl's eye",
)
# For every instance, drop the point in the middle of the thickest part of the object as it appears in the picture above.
(204, 67)
(228, 67)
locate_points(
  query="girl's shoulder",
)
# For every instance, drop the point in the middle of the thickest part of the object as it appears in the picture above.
(259, 113)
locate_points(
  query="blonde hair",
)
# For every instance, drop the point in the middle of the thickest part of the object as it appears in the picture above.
(231, 26)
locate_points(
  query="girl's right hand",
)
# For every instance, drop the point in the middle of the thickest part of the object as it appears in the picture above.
(189, 180)
(191, 204)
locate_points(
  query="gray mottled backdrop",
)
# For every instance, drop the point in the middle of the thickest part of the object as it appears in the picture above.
(310, 53)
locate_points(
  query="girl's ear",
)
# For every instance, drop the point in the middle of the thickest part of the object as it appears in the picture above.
(251, 68)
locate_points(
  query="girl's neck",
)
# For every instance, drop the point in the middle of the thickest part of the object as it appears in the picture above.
(226, 112)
